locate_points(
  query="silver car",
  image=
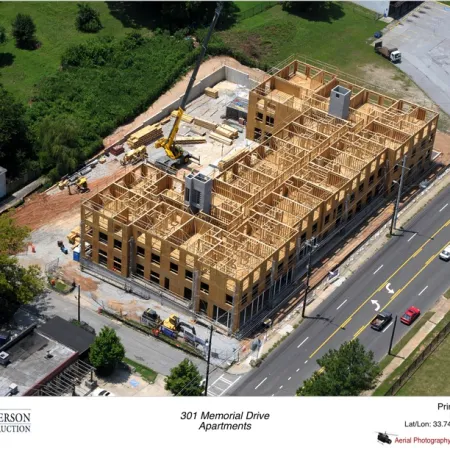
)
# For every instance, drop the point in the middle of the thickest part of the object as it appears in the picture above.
(445, 254)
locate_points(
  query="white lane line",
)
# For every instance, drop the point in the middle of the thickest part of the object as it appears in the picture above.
(211, 393)
(445, 206)
(342, 304)
(306, 361)
(273, 395)
(260, 383)
(387, 327)
(412, 237)
(289, 378)
(234, 382)
(225, 380)
(217, 387)
(297, 369)
(301, 343)
(379, 268)
(423, 290)
(281, 387)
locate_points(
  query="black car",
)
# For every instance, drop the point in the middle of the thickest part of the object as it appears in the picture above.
(381, 320)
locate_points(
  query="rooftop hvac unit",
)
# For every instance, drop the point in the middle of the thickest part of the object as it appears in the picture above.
(4, 358)
(13, 389)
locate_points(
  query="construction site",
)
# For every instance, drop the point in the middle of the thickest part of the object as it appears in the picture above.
(223, 238)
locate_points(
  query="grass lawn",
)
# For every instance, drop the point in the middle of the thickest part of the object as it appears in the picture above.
(432, 376)
(383, 388)
(55, 29)
(339, 39)
(145, 372)
(245, 6)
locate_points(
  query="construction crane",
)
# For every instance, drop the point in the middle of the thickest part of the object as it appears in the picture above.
(174, 154)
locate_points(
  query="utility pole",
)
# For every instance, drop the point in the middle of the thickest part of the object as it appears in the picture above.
(310, 245)
(79, 294)
(399, 194)
(209, 359)
(392, 336)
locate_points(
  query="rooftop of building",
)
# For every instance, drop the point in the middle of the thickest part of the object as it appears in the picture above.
(260, 201)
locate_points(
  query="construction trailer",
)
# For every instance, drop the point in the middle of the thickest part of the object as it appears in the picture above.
(327, 148)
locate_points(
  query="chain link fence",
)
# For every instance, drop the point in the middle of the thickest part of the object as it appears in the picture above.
(263, 6)
(431, 347)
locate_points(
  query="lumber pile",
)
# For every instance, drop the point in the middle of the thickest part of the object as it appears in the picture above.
(213, 93)
(233, 134)
(197, 130)
(74, 235)
(190, 140)
(220, 138)
(165, 120)
(185, 117)
(117, 150)
(229, 160)
(205, 124)
(145, 136)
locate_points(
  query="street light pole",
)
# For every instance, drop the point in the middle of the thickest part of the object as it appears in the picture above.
(392, 336)
(308, 273)
(209, 359)
(79, 293)
(399, 194)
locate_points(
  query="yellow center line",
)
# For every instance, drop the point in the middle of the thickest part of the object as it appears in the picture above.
(403, 288)
(380, 288)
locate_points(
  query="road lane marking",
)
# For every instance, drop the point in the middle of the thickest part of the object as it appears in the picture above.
(358, 332)
(221, 378)
(399, 291)
(281, 387)
(379, 268)
(301, 343)
(342, 304)
(412, 237)
(217, 387)
(234, 382)
(297, 369)
(380, 288)
(289, 378)
(445, 206)
(391, 291)
(387, 327)
(260, 383)
(306, 361)
(423, 290)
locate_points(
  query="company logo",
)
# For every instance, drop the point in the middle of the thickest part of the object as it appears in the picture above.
(384, 438)
(15, 421)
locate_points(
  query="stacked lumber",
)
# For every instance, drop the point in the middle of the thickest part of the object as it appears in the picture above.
(190, 140)
(145, 136)
(165, 120)
(220, 138)
(197, 130)
(117, 150)
(213, 93)
(229, 160)
(226, 133)
(230, 128)
(74, 235)
(205, 123)
(185, 117)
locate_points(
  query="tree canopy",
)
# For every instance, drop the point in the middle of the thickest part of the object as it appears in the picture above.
(2, 35)
(18, 285)
(106, 351)
(348, 371)
(23, 30)
(185, 380)
(88, 19)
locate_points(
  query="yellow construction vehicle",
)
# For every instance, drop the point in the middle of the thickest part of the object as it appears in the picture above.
(135, 155)
(81, 184)
(174, 154)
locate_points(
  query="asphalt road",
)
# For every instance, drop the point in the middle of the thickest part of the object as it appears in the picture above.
(405, 272)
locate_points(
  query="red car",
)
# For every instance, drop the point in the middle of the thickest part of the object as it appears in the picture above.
(411, 314)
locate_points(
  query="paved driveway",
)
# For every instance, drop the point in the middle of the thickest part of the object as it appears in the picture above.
(423, 37)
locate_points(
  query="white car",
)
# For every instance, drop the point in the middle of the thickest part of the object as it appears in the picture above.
(445, 254)
(102, 393)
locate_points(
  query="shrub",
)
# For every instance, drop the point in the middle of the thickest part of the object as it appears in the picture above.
(88, 19)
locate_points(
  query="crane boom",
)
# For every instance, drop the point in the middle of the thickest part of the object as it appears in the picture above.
(172, 151)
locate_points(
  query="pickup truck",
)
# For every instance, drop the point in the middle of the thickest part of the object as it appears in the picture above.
(381, 320)
(392, 54)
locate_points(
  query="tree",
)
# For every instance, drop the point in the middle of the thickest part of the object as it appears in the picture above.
(23, 30)
(106, 351)
(88, 19)
(14, 144)
(2, 35)
(185, 380)
(348, 371)
(18, 285)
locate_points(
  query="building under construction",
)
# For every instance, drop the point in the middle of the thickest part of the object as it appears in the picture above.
(327, 148)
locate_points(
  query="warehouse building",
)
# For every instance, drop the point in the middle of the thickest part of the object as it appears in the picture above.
(225, 247)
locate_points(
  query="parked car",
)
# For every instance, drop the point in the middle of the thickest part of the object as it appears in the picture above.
(411, 314)
(445, 254)
(102, 393)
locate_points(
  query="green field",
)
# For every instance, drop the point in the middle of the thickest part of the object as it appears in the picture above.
(55, 30)
(245, 6)
(432, 376)
(338, 37)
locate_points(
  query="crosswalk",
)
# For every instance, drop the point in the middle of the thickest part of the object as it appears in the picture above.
(221, 385)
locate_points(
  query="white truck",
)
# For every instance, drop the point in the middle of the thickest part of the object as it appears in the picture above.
(393, 54)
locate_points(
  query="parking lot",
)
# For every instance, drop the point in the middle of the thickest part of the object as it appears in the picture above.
(423, 37)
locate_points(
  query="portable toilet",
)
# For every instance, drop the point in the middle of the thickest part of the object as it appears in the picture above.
(76, 254)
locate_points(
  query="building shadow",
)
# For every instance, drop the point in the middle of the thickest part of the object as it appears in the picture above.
(315, 11)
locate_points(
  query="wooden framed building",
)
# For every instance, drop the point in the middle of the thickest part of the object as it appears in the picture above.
(326, 149)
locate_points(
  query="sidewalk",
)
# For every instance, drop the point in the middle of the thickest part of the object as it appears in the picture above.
(441, 308)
